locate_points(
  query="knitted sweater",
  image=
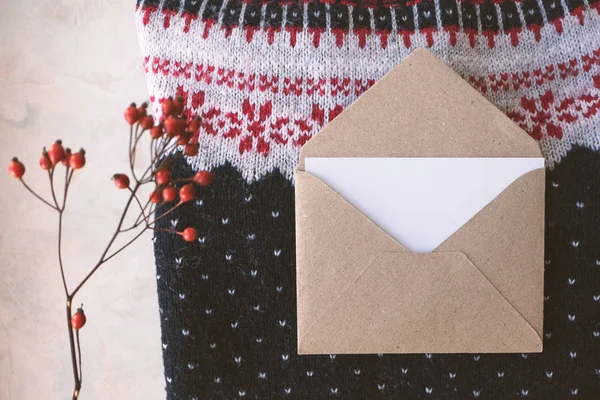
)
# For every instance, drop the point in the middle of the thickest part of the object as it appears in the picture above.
(266, 76)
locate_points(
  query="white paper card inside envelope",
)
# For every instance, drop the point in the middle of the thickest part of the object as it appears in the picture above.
(420, 202)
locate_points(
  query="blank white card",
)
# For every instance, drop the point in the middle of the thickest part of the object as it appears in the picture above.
(420, 202)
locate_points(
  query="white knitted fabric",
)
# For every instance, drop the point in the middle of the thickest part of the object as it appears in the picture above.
(262, 93)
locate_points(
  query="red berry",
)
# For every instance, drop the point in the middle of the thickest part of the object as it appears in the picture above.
(16, 168)
(147, 122)
(167, 107)
(178, 105)
(131, 114)
(187, 192)
(45, 162)
(65, 160)
(169, 193)
(77, 160)
(194, 125)
(56, 152)
(121, 181)
(170, 125)
(191, 149)
(184, 138)
(174, 126)
(155, 197)
(142, 112)
(156, 132)
(189, 234)
(181, 126)
(163, 177)
(78, 319)
(204, 178)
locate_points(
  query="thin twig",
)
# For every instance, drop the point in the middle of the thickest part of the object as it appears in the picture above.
(162, 164)
(152, 141)
(164, 214)
(67, 183)
(130, 141)
(172, 145)
(164, 230)
(153, 167)
(132, 227)
(139, 216)
(161, 149)
(51, 177)
(60, 261)
(102, 257)
(79, 355)
(135, 139)
(142, 210)
(139, 219)
(126, 244)
(76, 380)
(60, 220)
(37, 195)
(162, 145)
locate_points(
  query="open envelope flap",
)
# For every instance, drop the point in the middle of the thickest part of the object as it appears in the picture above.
(417, 303)
(336, 244)
(421, 108)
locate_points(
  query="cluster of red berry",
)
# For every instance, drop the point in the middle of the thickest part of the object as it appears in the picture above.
(166, 192)
(173, 127)
(173, 132)
(50, 158)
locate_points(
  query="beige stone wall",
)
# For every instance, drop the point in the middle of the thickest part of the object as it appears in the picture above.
(67, 69)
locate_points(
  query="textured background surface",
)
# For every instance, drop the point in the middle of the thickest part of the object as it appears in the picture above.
(67, 69)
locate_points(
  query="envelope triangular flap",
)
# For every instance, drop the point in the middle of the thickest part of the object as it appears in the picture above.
(445, 306)
(421, 108)
(352, 242)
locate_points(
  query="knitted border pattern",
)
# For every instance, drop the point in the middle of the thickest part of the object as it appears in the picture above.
(264, 86)
(490, 18)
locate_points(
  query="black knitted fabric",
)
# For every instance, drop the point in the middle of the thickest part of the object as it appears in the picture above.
(227, 306)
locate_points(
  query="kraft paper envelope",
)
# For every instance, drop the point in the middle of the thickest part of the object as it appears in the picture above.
(480, 291)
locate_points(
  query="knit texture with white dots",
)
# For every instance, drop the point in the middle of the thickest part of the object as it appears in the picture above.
(228, 306)
(265, 76)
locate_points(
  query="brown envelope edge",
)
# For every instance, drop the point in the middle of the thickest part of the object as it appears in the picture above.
(421, 108)
(381, 244)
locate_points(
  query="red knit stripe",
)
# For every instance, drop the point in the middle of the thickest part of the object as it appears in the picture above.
(256, 127)
(345, 86)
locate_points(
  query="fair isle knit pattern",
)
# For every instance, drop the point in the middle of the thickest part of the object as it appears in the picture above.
(266, 76)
